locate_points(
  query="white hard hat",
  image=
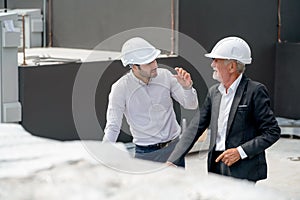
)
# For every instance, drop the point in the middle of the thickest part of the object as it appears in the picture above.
(232, 48)
(138, 51)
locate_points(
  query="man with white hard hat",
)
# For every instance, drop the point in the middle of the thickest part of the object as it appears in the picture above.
(242, 124)
(144, 96)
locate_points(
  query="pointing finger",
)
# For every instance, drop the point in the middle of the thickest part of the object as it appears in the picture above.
(220, 157)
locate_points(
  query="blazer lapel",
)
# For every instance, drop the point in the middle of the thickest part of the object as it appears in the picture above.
(216, 100)
(236, 101)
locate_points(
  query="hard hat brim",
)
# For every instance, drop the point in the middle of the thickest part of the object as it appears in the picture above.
(211, 55)
(244, 61)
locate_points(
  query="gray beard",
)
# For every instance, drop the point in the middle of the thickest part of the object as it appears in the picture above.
(215, 77)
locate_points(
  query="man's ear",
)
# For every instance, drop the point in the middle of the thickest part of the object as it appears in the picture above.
(134, 67)
(233, 66)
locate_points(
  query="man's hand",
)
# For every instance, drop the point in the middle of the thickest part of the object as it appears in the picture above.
(229, 157)
(184, 78)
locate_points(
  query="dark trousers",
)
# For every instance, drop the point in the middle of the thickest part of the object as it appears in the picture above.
(219, 167)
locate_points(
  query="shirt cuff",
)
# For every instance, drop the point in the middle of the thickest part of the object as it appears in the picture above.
(242, 152)
(189, 91)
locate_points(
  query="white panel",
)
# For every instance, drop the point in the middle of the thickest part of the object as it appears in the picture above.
(11, 39)
(36, 25)
(9, 75)
(12, 112)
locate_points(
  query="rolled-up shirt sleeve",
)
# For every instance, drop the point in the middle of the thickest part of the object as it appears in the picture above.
(187, 98)
(190, 98)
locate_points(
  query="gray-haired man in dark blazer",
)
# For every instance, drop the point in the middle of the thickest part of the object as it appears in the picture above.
(238, 113)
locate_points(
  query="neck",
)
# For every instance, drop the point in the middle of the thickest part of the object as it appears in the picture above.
(231, 79)
(142, 78)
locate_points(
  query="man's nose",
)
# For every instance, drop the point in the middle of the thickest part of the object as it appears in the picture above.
(155, 64)
(213, 63)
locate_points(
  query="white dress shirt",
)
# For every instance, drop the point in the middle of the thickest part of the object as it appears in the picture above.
(148, 108)
(225, 106)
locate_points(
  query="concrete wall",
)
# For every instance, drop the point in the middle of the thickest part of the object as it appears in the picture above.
(84, 24)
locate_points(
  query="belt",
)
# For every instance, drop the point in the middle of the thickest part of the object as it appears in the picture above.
(158, 145)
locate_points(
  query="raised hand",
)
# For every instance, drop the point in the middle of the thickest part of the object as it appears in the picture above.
(184, 78)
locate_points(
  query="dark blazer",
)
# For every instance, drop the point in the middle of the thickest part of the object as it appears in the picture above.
(251, 125)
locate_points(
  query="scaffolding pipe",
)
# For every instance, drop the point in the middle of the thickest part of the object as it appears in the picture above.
(5, 5)
(45, 23)
(279, 21)
(23, 32)
(172, 28)
(50, 22)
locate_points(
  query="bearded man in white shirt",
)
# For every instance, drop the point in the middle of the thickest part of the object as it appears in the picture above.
(144, 96)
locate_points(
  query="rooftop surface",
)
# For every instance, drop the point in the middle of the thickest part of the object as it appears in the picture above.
(40, 168)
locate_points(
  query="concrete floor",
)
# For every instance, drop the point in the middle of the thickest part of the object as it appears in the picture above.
(283, 164)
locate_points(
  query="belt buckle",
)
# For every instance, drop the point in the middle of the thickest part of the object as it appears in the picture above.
(163, 145)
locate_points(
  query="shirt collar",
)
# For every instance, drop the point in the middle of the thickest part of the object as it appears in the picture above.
(233, 87)
(138, 80)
